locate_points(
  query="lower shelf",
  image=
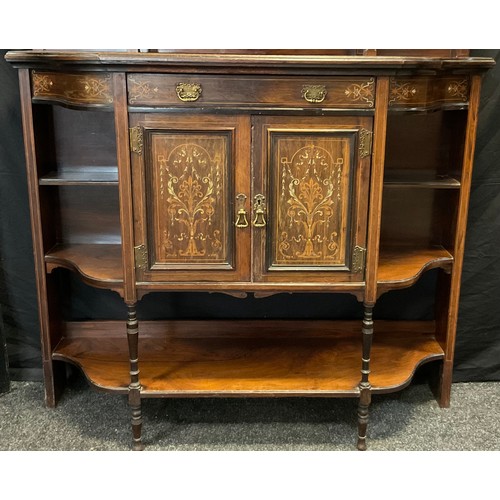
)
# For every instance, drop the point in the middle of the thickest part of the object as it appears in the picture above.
(249, 358)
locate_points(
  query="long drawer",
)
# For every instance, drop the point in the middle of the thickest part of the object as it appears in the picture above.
(234, 91)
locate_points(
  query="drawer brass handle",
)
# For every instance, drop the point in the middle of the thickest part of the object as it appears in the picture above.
(241, 215)
(188, 92)
(314, 93)
(259, 208)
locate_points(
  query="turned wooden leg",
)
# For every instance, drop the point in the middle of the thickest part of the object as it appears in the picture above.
(134, 394)
(364, 385)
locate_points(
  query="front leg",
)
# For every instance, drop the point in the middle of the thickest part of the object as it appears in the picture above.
(364, 385)
(134, 394)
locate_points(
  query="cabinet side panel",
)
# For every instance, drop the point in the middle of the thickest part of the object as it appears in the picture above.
(463, 206)
(376, 186)
(125, 185)
(50, 333)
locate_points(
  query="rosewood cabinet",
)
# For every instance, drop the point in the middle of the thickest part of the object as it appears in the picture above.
(248, 173)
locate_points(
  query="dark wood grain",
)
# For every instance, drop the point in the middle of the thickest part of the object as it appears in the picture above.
(125, 190)
(87, 214)
(253, 134)
(309, 132)
(459, 243)
(402, 266)
(376, 185)
(181, 211)
(249, 358)
(248, 62)
(221, 91)
(97, 176)
(99, 265)
(428, 92)
(79, 89)
(50, 331)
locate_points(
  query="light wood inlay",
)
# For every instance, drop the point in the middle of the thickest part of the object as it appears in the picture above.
(80, 89)
(427, 92)
(311, 176)
(339, 92)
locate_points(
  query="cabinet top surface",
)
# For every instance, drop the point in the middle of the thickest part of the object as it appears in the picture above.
(219, 60)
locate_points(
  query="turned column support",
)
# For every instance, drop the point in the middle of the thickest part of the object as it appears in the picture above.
(134, 394)
(364, 385)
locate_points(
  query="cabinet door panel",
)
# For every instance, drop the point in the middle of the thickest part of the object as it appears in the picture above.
(190, 186)
(314, 175)
(185, 185)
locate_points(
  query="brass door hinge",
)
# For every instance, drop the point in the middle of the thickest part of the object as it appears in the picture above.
(365, 143)
(141, 257)
(358, 259)
(136, 139)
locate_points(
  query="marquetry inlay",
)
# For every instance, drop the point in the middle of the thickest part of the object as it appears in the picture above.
(189, 202)
(79, 89)
(140, 89)
(458, 88)
(311, 202)
(363, 92)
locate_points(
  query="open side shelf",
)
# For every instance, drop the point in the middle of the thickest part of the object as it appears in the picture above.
(412, 178)
(84, 176)
(99, 265)
(249, 358)
(402, 266)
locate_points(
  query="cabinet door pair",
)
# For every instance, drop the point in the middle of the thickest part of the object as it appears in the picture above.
(251, 198)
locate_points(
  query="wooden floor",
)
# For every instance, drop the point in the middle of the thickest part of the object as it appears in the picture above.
(249, 358)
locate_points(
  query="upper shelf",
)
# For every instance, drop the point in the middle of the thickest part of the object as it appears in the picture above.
(412, 178)
(84, 176)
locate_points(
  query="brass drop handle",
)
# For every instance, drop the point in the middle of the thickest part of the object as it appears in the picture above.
(241, 214)
(314, 93)
(259, 208)
(188, 92)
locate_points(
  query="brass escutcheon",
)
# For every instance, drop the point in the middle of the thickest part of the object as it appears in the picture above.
(314, 93)
(188, 92)
(259, 208)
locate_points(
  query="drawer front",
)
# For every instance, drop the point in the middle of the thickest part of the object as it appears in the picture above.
(426, 92)
(236, 91)
(78, 89)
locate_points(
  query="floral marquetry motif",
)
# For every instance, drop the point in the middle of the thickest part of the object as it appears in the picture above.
(140, 89)
(401, 91)
(190, 209)
(428, 92)
(78, 89)
(363, 92)
(41, 84)
(312, 177)
(458, 88)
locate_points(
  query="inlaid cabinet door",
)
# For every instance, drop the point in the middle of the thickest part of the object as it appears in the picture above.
(191, 176)
(310, 198)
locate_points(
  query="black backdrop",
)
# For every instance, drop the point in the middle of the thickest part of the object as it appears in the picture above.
(478, 338)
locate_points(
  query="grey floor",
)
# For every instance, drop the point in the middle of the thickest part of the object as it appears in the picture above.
(409, 420)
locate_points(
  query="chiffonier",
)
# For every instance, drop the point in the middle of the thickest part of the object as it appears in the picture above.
(249, 173)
